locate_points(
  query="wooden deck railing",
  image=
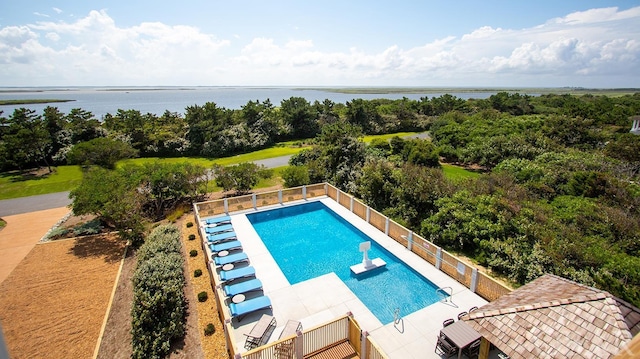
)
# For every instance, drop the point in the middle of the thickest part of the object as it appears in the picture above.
(315, 340)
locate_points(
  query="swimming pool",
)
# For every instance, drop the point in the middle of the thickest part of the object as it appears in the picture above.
(310, 240)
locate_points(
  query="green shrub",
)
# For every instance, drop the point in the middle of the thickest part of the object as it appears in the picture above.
(159, 306)
(189, 224)
(197, 273)
(209, 329)
(193, 253)
(203, 296)
(88, 228)
(295, 176)
(192, 237)
(175, 215)
(57, 233)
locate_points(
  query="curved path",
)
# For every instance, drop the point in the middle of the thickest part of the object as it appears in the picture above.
(10, 207)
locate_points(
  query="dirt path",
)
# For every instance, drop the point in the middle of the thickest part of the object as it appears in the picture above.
(21, 234)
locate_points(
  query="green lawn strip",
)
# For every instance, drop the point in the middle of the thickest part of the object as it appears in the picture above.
(225, 161)
(367, 139)
(64, 178)
(456, 173)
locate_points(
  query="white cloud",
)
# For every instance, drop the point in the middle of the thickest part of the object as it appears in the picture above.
(580, 49)
(40, 14)
(57, 10)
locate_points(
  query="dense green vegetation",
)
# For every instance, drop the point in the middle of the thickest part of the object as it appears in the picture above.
(553, 188)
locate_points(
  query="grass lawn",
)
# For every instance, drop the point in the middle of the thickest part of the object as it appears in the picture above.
(271, 152)
(15, 185)
(456, 173)
(367, 139)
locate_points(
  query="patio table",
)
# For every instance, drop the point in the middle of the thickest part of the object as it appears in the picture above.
(461, 335)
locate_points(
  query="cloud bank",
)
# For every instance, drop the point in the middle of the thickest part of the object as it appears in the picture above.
(594, 48)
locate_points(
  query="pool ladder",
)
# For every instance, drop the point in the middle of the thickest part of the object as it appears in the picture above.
(443, 293)
(397, 319)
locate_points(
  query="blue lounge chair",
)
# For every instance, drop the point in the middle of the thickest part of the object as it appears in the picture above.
(228, 275)
(232, 258)
(225, 246)
(218, 220)
(221, 237)
(249, 306)
(218, 229)
(242, 287)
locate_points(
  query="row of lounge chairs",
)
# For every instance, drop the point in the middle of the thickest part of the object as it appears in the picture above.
(241, 280)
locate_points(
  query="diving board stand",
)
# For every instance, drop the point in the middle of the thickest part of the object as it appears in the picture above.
(367, 264)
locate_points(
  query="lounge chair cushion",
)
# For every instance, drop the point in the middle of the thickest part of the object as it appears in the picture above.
(221, 237)
(227, 275)
(249, 306)
(242, 287)
(225, 246)
(232, 258)
(222, 219)
(218, 229)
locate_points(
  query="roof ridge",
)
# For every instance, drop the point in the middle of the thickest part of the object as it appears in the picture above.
(548, 304)
(569, 281)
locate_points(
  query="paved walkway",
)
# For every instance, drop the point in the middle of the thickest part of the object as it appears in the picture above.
(9, 207)
(21, 234)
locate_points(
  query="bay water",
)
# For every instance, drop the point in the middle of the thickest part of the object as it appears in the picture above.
(157, 100)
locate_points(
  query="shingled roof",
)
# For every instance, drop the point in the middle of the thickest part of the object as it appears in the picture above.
(553, 317)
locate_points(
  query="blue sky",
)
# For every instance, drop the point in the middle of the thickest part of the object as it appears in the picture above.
(329, 43)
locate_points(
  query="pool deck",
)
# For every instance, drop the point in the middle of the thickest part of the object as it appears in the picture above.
(320, 300)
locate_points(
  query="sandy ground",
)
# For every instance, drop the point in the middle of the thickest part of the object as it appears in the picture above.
(21, 234)
(53, 303)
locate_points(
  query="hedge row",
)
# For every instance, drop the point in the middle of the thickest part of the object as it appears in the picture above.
(159, 306)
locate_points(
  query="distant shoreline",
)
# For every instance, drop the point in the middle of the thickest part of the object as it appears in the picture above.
(30, 101)
(439, 90)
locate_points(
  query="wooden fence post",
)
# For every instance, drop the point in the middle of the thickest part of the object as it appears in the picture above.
(363, 344)
(386, 226)
(299, 345)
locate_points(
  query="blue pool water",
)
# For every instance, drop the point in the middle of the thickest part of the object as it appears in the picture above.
(310, 240)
